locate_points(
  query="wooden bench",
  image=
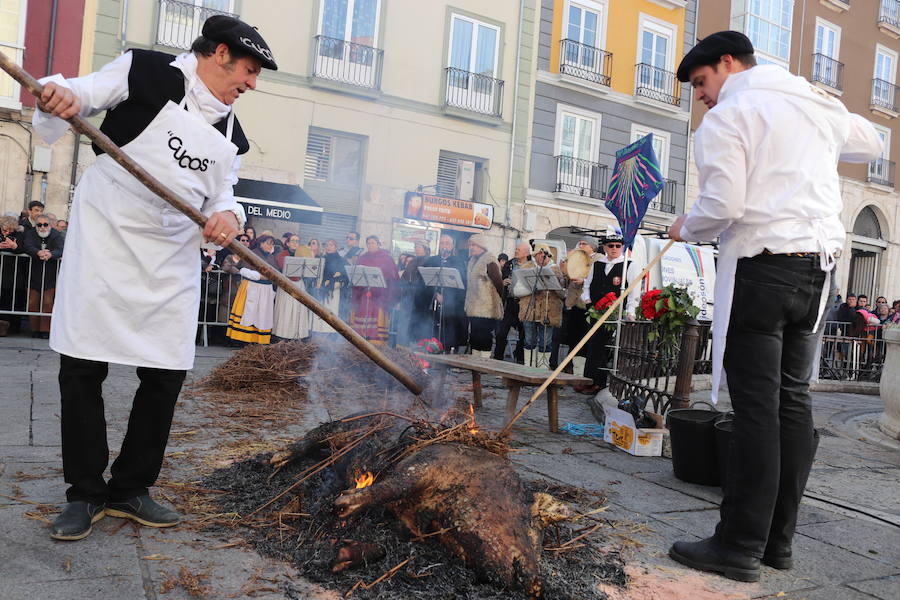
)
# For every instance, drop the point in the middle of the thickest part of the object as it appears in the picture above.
(513, 375)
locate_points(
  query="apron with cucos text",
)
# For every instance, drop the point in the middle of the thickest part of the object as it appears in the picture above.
(129, 284)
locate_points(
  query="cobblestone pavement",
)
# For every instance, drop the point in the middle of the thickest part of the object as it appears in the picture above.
(847, 547)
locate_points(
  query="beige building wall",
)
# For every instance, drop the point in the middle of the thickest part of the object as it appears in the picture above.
(404, 124)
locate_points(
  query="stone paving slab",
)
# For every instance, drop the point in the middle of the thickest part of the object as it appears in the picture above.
(885, 588)
(876, 542)
(648, 507)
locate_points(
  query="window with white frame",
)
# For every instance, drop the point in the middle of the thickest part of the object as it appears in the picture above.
(584, 36)
(333, 158)
(656, 54)
(180, 21)
(472, 61)
(576, 144)
(661, 142)
(884, 77)
(12, 44)
(879, 169)
(827, 45)
(347, 42)
(768, 25)
(353, 21)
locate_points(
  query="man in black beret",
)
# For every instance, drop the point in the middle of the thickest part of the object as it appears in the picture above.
(129, 288)
(767, 154)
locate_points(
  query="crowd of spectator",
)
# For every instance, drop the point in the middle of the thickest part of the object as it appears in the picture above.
(476, 316)
(29, 285)
(855, 327)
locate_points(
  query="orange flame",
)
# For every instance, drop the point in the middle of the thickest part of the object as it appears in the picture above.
(473, 427)
(365, 480)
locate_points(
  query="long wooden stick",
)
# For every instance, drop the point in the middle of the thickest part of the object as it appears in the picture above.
(574, 351)
(158, 188)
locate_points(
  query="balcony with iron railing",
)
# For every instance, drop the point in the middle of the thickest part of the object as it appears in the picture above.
(585, 62)
(348, 62)
(827, 71)
(666, 200)
(656, 84)
(881, 172)
(581, 177)
(889, 17)
(473, 92)
(180, 22)
(884, 97)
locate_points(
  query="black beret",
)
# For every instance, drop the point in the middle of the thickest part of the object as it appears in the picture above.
(710, 49)
(239, 35)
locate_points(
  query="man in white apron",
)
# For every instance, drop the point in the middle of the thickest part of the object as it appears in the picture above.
(130, 284)
(767, 154)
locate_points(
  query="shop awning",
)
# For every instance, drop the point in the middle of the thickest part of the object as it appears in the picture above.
(282, 201)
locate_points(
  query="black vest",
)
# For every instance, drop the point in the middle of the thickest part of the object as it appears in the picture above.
(601, 283)
(152, 82)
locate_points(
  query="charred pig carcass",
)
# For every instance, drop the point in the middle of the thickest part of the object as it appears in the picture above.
(469, 498)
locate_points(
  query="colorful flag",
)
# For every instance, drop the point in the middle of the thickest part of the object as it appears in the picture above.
(636, 180)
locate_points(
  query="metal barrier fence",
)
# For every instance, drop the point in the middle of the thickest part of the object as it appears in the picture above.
(18, 273)
(847, 357)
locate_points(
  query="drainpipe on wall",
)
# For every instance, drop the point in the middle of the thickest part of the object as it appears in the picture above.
(51, 43)
(123, 34)
(512, 142)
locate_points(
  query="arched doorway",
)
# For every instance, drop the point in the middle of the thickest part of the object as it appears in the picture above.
(866, 248)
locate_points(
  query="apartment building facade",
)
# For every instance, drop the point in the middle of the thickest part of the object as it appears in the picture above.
(387, 117)
(43, 37)
(606, 77)
(849, 49)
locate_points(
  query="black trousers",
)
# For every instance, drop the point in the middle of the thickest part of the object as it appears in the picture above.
(84, 448)
(598, 355)
(769, 356)
(510, 319)
(481, 333)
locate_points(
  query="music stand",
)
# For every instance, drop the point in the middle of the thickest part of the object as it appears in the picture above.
(439, 278)
(367, 277)
(304, 268)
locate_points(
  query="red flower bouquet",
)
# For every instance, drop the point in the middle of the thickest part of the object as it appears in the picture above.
(669, 309)
(600, 307)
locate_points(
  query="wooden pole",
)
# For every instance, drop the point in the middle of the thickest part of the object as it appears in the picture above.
(574, 351)
(155, 186)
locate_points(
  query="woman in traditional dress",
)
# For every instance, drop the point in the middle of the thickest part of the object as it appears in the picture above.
(292, 319)
(417, 297)
(251, 314)
(334, 278)
(372, 306)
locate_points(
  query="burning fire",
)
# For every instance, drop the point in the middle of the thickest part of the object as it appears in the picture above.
(365, 480)
(473, 427)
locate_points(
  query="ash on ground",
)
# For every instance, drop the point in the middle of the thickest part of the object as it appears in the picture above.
(301, 529)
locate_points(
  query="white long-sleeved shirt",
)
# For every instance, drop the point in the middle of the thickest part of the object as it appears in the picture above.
(108, 87)
(766, 156)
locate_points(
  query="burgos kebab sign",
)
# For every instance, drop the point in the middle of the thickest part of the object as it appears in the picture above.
(448, 210)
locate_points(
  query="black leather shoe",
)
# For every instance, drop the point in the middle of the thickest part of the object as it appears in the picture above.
(778, 557)
(708, 555)
(145, 511)
(75, 521)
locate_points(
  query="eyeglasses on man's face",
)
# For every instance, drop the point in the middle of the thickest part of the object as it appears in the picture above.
(42, 225)
(613, 245)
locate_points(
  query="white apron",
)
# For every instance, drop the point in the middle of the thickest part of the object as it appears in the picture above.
(129, 286)
(731, 242)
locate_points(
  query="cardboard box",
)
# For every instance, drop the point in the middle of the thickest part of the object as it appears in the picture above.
(619, 430)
